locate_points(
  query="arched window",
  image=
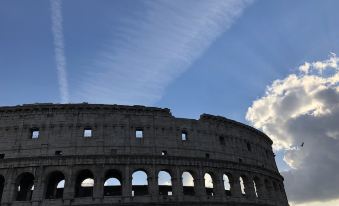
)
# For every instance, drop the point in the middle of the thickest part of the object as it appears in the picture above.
(255, 186)
(209, 184)
(55, 185)
(2, 184)
(188, 183)
(139, 183)
(24, 187)
(242, 185)
(112, 185)
(227, 184)
(165, 183)
(84, 184)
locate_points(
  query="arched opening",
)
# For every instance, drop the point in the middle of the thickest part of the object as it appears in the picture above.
(242, 185)
(139, 183)
(112, 185)
(209, 184)
(2, 184)
(55, 185)
(24, 187)
(165, 183)
(256, 186)
(84, 184)
(188, 183)
(227, 184)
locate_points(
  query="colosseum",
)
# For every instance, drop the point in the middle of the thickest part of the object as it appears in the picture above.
(94, 154)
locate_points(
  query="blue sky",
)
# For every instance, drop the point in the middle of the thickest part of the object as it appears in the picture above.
(194, 57)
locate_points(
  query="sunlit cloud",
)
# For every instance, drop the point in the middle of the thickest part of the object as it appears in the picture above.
(301, 114)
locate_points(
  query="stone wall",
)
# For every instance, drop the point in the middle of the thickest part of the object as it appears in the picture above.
(38, 140)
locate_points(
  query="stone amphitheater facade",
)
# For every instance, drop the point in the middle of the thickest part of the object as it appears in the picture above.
(66, 154)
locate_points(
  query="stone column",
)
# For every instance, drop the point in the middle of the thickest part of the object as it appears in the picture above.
(9, 188)
(219, 188)
(260, 188)
(268, 190)
(235, 189)
(98, 190)
(39, 184)
(199, 184)
(69, 188)
(153, 188)
(177, 184)
(249, 188)
(127, 184)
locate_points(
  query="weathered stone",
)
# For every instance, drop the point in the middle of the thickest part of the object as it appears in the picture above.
(49, 142)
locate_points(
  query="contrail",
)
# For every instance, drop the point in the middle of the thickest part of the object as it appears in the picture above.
(59, 48)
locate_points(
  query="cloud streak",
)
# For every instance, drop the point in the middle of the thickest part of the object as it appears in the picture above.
(304, 109)
(154, 48)
(59, 48)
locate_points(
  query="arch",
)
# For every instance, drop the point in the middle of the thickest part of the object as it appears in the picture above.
(139, 183)
(188, 183)
(242, 185)
(55, 185)
(112, 185)
(24, 187)
(84, 184)
(257, 187)
(165, 183)
(2, 185)
(227, 178)
(209, 186)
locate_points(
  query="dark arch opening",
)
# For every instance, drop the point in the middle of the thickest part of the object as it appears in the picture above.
(139, 183)
(165, 183)
(24, 187)
(188, 183)
(55, 185)
(242, 181)
(228, 181)
(257, 187)
(2, 184)
(209, 186)
(112, 185)
(84, 184)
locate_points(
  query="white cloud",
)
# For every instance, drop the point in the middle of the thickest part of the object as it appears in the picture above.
(155, 48)
(305, 108)
(59, 48)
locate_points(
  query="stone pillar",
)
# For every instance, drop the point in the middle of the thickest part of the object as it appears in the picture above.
(268, 190)
(69, 188)
(153, 188)
(39, 184)
(235, 189)
(98, 190)
(177, 184)
(199, 184)
(9, 188)
(219, 188)
(260, 188)
(127, 183)
(249, 188)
